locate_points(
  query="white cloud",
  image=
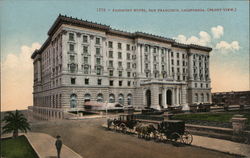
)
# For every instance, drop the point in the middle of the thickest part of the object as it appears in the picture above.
(17, 78)
(203, 40)
(217, 31)
(226, 47)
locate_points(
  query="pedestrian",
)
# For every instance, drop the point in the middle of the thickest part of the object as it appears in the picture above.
(58, 145)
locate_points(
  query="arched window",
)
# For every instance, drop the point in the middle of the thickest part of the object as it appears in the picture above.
(73, 100)
(99, 98)
(129, 99)
(196, 98)
(111, 98)
(121, 99)
(202, 97)
(87, 97)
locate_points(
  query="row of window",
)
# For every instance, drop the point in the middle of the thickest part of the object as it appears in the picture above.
(99, 82)
(100, 98)
(201, 97)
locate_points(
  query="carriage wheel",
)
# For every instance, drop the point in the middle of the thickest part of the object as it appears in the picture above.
(187, 138)
(123, 128)
(176, 137)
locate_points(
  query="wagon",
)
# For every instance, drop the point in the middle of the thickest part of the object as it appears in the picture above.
(174, 130)
(123, 123)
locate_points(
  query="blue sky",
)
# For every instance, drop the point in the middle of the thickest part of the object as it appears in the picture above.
(24, 23)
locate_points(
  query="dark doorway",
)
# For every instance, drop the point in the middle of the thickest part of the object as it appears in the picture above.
(160, 100)
(169, 97)
(148, 98)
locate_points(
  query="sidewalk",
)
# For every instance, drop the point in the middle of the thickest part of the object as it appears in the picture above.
(222, 145)
(44, 145)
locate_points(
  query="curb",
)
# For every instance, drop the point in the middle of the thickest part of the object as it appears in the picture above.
(33, 147)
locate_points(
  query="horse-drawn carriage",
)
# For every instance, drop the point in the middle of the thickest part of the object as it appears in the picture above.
(173, 130)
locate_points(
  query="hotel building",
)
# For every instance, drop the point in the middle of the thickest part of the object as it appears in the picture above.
(85, 61)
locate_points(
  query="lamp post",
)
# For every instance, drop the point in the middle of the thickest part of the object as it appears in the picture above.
(106, 109)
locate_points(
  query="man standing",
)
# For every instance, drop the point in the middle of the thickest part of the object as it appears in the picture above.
(58, 145)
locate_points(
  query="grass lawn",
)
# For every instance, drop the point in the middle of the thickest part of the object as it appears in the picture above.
(17, 148)
(218, 117)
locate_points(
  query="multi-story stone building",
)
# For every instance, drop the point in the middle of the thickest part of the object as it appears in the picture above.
(85, 61)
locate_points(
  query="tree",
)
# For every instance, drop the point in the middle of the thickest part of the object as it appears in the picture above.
(15, 121)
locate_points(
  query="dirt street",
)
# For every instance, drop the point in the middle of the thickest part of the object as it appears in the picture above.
(91, 140)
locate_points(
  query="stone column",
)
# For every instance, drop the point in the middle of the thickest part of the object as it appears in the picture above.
(64, 52)
(151, 61)
(164, 102)
(190, 66)
(173, 96)
(142, 60)
(138, 58)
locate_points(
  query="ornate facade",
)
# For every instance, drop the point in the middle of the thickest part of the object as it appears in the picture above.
(85, 61)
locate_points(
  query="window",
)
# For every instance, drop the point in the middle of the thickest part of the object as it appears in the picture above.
(206, 85)
(71, 47)
(162, 59)
(128, 66)
(85, 39)
(155, 66)
(111, 98)
(154, 50)
(177, 55)
(172, 54)
(120, 73)
(147, 74)
(146, 66)
(162, 67)
(71, 36)
(73, 81)
(72, 68)
(178, 62)
(98, 51)
(85, 49)
(162, 51)
(201, 85)
(178, 69)
(110, 63)
(120, 83)
(110, 44)
(111, 82)
(85, 60)
(154, 58)
(98, 61)
(119, 55)
(120, 64)
(195, 85)
(97, 40)
(119, 46)
(134, 65)
(146, 48)
(111, 72)
(98, 71)
(86, 70)
(128, 56)
(99, 81)
(178, 77)
(146, 57)
(99, 98)
(196, 97)
(129, 83)
(184, 70)
(183, 56)
(184, 78)
(129, 74)
(121, 99)
(72, 58)
(86, 81)
(73, 100)
(128, 47)
(110, 54)
(173, 69)
(172, 61)
(183, 63)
